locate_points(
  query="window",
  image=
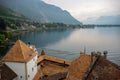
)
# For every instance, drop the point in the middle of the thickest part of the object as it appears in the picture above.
(32, 69)
(28, 75)
(20, 76)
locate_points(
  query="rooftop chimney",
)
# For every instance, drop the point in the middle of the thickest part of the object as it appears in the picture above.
(94, 56)
(84, 50)
(105, 54)
(99, 53)
(42, 52)
(81, 53)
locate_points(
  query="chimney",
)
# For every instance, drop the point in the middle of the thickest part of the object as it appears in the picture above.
(99, 53)
(81, 53)
(93, 56)
(105, 54)
(84, 50)
(42, 52)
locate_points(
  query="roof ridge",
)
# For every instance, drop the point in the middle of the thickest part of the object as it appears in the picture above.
(21, 49)
(90, 68)
(20, 52)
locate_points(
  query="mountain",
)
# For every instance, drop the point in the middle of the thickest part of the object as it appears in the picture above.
(105, 20)
(40, 11)
(8, 18)
(6, 12)
(109, 20)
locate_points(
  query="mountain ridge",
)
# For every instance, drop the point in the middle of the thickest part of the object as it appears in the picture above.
(8, 13)
(40, 11)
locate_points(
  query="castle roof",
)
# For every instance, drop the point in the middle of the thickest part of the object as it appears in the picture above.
(104, 70)
(20, 52)
(79, 67)
(6, 73)
(86, 69)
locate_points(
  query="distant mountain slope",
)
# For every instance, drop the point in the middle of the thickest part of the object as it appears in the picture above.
(38, 10)
(6, 12)
(109, 20)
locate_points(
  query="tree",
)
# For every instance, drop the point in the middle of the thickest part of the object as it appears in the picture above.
(2, 38)
(2, 24)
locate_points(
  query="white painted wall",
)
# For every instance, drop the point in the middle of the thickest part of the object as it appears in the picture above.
(21, 68)
(32, 68)
(18, 68)
(15, 78)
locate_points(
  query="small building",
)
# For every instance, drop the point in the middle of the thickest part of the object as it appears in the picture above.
(22, 60)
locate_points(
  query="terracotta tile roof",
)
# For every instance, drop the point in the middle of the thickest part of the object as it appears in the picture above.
(57, 76)
(58, 60)
(20, 52)
(104, 70)
(78, 67)
(51, 58)
(37, 76)
(54, 59)
(6, 73)
(51, 68)
(54, 68)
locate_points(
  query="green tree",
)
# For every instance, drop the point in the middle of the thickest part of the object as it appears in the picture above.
(2, 38)
(8, 34)
(2, 24)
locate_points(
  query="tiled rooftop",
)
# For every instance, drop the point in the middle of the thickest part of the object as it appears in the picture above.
(53, 71)
(54, 59)
(53, 67)
(37, 76)
(87, 67)
(78, 67)
(50, 68)
(20, 52)
(6, 73)
(104, 70)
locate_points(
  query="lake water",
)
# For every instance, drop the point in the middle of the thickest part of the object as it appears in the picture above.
(67, 43)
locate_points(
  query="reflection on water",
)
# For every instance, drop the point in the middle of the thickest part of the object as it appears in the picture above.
(92, 39)
(68, 43)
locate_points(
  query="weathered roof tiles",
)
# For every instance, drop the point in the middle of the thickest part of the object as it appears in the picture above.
(20, 52)
(78, 67)
(6, 73)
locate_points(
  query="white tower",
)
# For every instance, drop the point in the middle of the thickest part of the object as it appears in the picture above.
(22, 60)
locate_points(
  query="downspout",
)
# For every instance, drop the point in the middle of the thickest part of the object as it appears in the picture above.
(26, 70)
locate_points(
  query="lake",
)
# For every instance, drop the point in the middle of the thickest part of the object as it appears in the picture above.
(67, 43)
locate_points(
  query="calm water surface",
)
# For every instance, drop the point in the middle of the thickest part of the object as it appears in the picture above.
(67, 44)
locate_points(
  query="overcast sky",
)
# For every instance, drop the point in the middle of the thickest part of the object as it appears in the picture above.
(88, 9)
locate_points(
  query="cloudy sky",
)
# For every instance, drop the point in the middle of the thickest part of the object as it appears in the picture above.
(85, 10)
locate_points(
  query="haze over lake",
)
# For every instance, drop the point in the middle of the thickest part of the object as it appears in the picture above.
(68, 43)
